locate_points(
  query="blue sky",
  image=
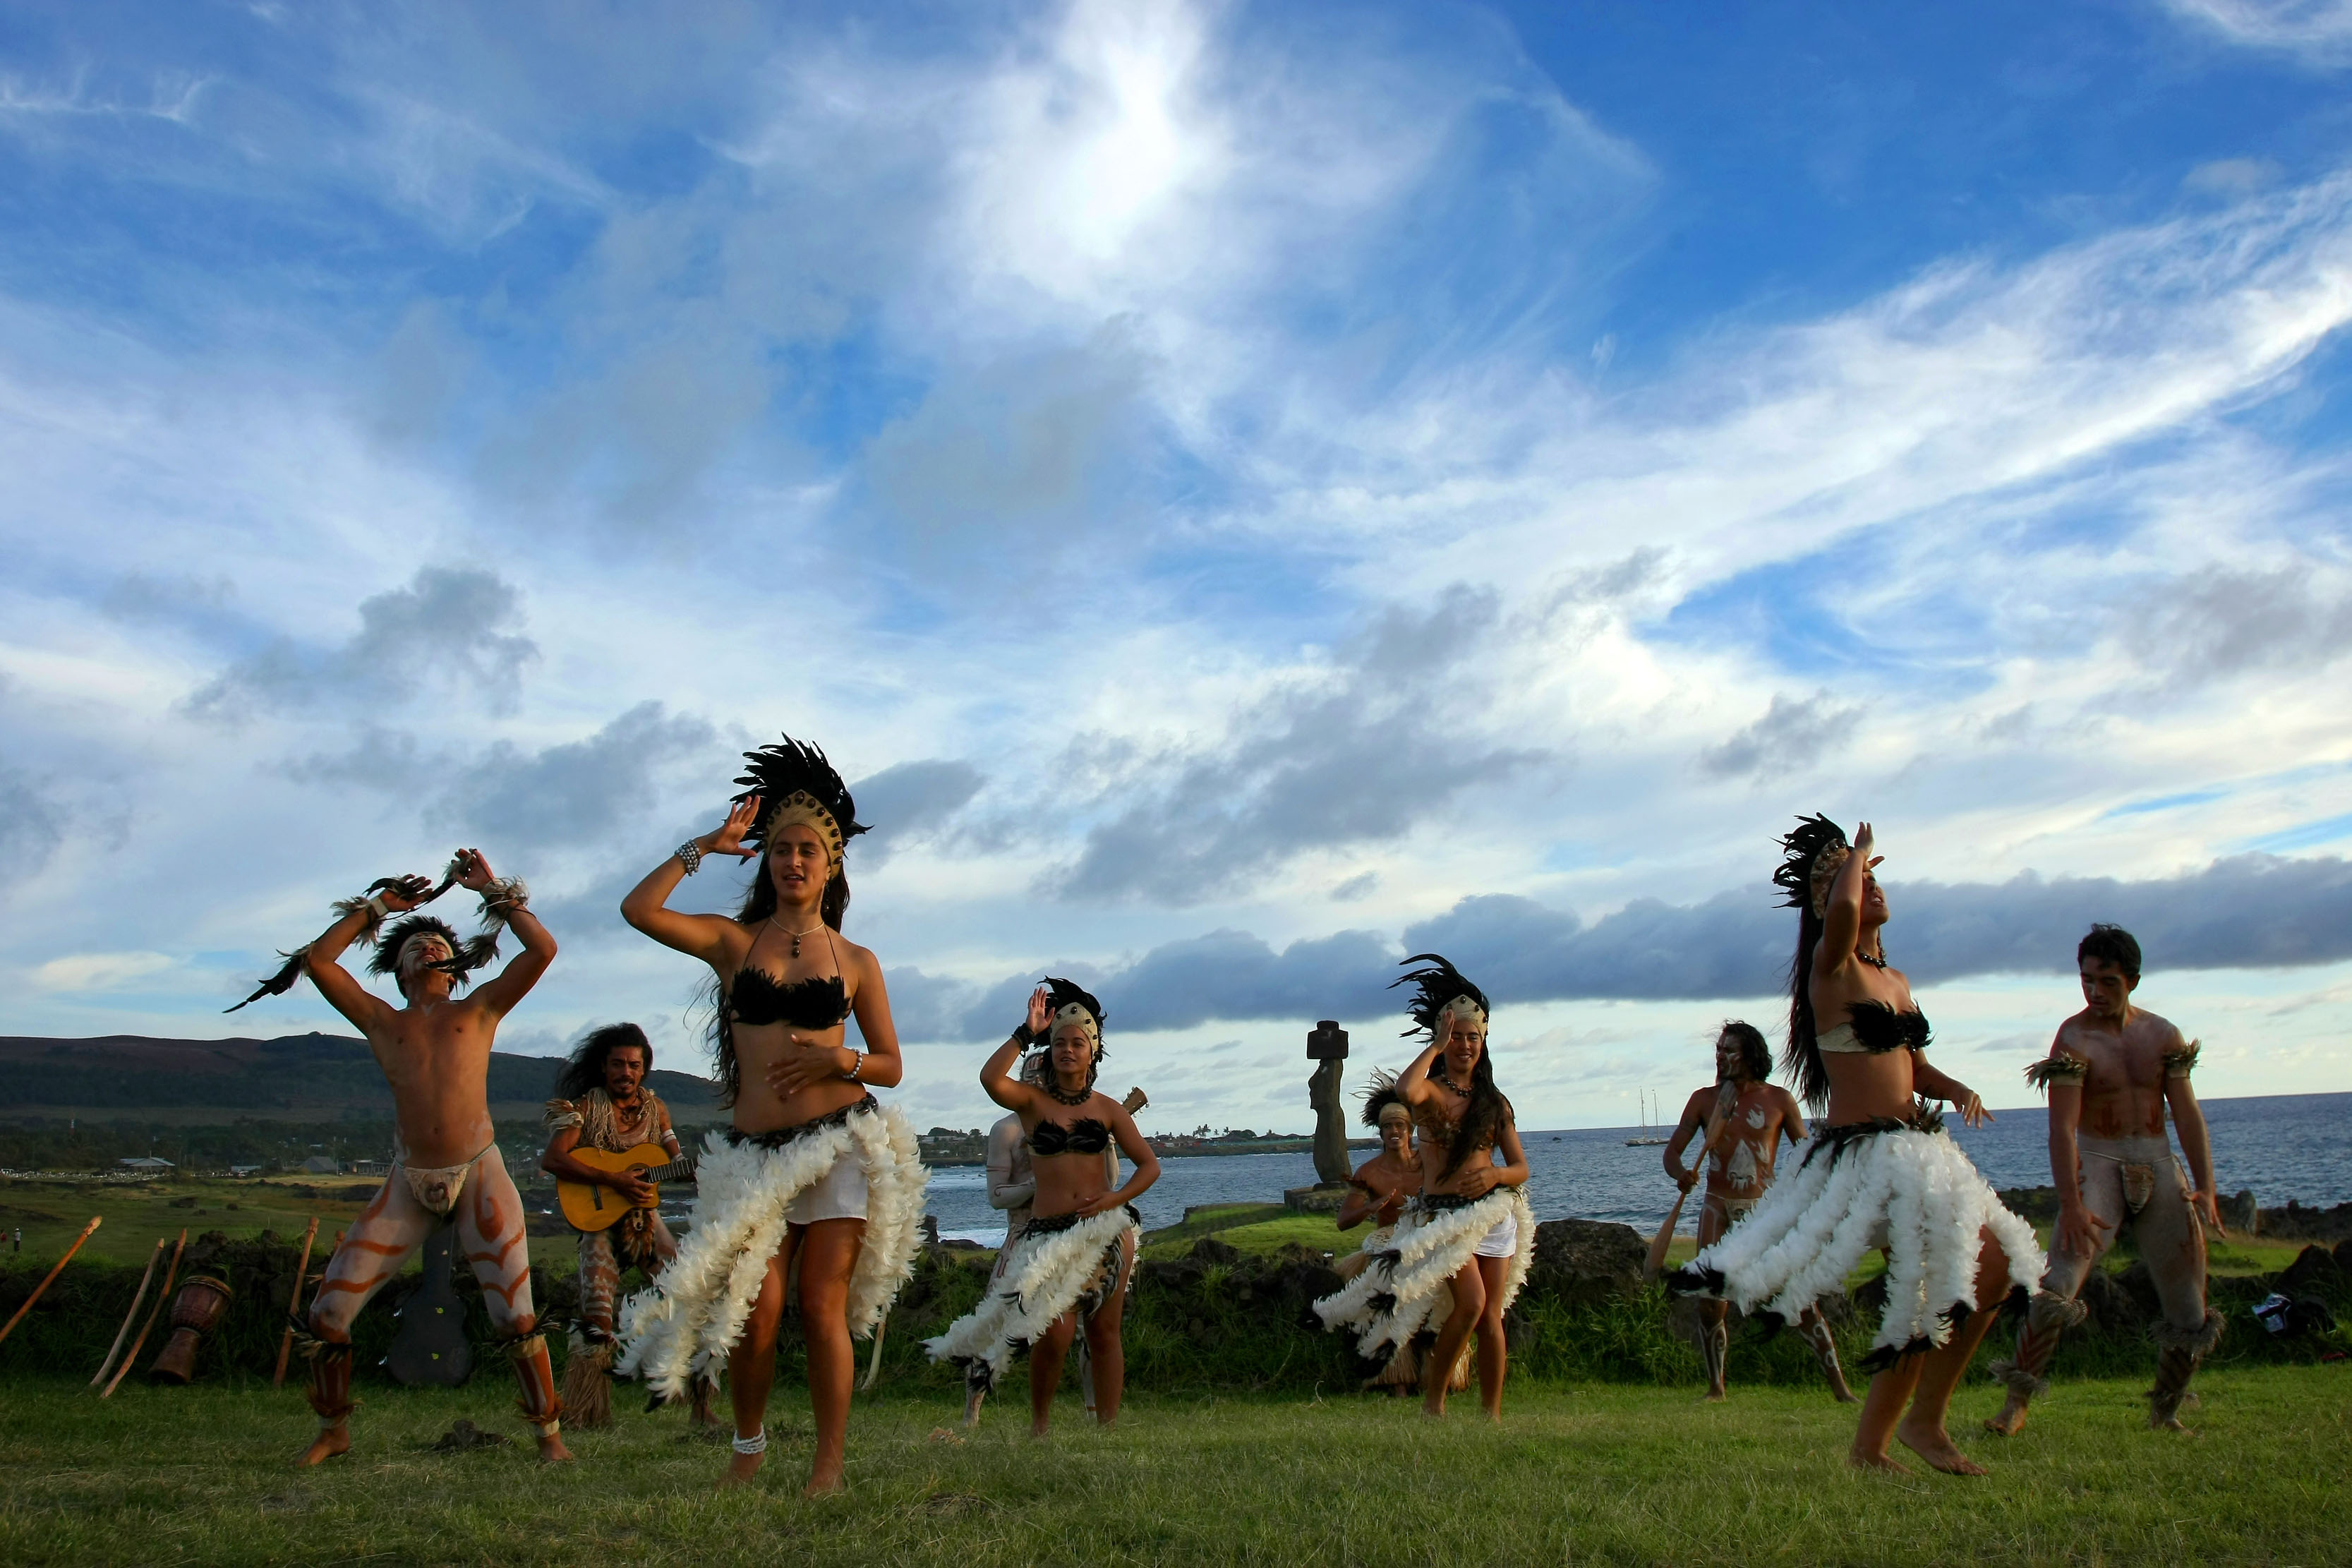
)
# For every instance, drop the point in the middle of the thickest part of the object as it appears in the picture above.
(1242, 490)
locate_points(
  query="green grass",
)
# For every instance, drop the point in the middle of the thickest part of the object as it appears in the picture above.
(1605, 1473)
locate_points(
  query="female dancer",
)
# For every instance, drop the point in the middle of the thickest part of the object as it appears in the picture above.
(1882, 1173)
(1073, 1260)
(1462, 1249)
(812, 1168)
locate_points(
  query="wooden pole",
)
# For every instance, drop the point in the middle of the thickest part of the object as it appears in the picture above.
(147, 1328)
(294, 1304)
(1657, 1262)
(53, 1273)
(132, 1316)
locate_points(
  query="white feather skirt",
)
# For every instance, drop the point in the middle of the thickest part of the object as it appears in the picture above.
(1909, 1190)
(1403, 1289)
(684, 1327)
(1039, 1278)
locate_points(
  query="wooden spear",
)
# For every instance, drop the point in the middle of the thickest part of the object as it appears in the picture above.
(53, 1273)
(294, 1304)
(132, 1316)
(147, 1328)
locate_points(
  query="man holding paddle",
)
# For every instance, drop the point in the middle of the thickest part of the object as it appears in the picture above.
(602, 1105)
(1744, 1116)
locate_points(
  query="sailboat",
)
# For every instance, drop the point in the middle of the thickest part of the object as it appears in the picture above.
(1648, 1138)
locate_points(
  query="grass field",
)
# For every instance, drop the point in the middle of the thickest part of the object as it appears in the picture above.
(1582, 1473)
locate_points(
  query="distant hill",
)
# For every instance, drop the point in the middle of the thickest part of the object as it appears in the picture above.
(314, 1076)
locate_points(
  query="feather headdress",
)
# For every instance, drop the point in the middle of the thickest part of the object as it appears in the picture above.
(794, 783)
(1812, 855)
(1442, 989)
(464, 956)
(1074, 1003)
(1382, 1094)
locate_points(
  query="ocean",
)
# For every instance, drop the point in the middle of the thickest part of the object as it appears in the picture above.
(2280, 1146)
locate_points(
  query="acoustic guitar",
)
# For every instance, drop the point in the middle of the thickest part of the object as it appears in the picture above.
(592, 1206)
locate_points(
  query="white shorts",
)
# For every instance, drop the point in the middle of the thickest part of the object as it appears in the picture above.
(841, 1195)
(1500, 1242)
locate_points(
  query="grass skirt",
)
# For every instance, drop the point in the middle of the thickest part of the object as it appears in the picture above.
(684, 1327)
(1906, 1188)
(1041, 1277)
(1403, 1289)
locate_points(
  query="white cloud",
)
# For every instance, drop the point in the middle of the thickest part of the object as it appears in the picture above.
(2318, 30)
(97, 971)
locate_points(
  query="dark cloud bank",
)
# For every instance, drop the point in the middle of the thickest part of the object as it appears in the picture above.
(2247, 911)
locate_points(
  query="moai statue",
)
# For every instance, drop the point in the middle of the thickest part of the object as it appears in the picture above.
(1326, 1047)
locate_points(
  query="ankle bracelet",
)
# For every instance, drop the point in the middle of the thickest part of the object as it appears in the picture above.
(756, 1443)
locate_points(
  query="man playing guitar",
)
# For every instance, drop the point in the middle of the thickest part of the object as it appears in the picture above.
(602, 1103)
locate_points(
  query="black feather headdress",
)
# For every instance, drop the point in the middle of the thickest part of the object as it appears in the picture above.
(1802, 857)
(1439, 986)
(796, 783)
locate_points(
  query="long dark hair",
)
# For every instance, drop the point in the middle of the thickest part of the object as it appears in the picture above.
(1755, 1055)
(583, 1069)
(759, 907)
(1487, 1110)
(1801, 1057)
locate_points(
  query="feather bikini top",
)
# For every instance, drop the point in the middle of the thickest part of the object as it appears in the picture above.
(1085, 1136)
(1874, 1029)
(759, 997)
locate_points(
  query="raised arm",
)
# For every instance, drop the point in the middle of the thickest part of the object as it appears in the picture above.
(1413, 1084)
(522, 970)
(996, 1080)
(320, 959)
(1147, 1166)
(705, 936)
(2188, 1121)
(1842, 920)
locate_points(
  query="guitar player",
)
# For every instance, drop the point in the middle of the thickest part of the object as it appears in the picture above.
(602, 1101)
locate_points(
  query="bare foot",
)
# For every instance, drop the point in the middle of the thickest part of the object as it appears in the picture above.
(741, 1469)
(1935, 1445)
(1859, 1460)
(1037, 1430)
(1713, 1397)
(824, 1485)
(2007, 1421)
(552, 1451)
(332, 1441)
(2169, 1424)
(1844, 1395)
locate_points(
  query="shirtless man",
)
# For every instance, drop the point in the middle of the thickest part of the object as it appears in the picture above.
(1744, 1118)
(2111, 1072)
(435, 1051)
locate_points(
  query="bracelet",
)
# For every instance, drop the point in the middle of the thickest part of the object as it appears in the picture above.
(376, 908)
(857, 1067)
(756, 1443)
(1024, 1033)
(691, 854)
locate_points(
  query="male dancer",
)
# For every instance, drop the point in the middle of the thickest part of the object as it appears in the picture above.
(435, 1051)
(1744, 1116)
(2110, 1073)
(601, 1102)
